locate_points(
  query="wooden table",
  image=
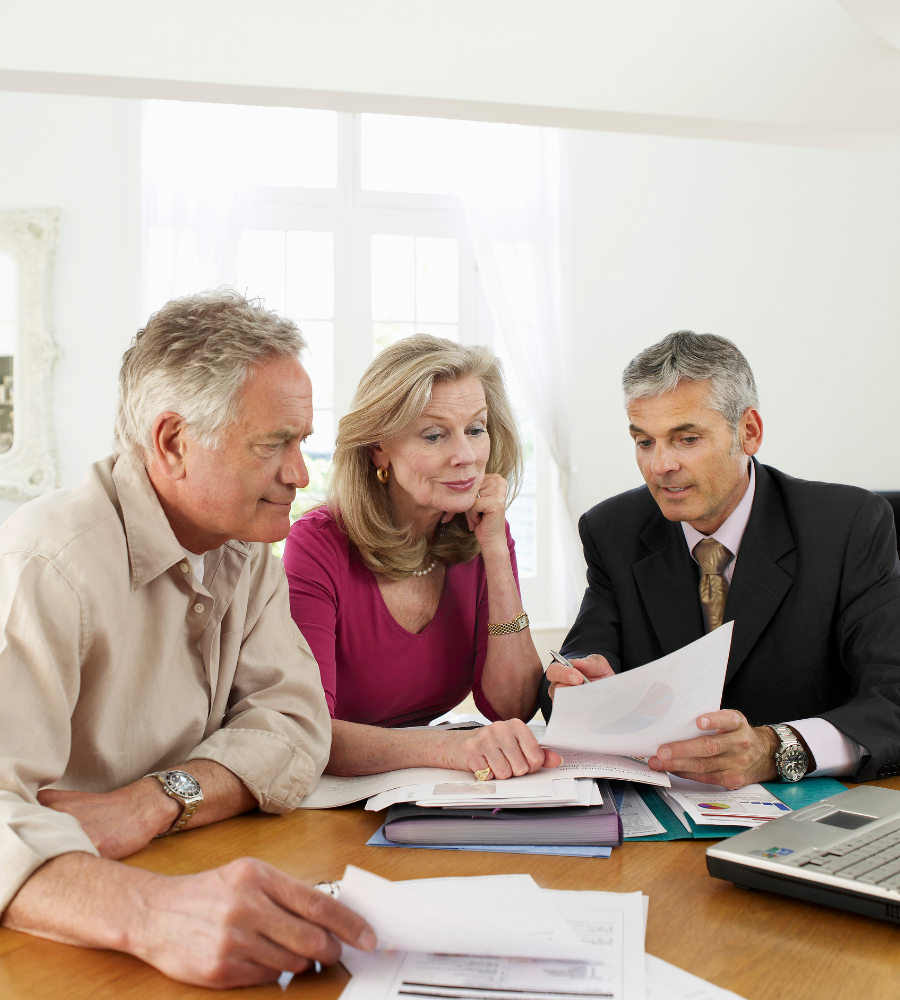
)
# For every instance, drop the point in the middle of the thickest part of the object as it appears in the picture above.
(757, 944)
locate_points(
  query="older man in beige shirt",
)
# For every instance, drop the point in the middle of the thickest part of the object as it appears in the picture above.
(152, 677)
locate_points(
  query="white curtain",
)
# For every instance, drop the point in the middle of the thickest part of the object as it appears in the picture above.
(508, 179)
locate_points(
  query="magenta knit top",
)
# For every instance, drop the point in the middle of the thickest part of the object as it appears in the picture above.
(373, 670)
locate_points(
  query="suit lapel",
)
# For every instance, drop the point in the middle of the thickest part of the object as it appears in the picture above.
(759, 584)
(668, 580)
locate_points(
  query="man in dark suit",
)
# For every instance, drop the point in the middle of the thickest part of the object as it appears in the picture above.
(807, 571)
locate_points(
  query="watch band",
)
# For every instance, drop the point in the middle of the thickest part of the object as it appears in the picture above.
(507, 628)
(189, 803)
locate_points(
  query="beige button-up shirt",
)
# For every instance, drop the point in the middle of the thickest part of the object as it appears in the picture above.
(115, 662)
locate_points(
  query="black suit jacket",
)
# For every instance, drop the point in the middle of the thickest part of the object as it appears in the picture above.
(815, 599)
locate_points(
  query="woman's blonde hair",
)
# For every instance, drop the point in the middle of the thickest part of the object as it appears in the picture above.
(392, 394)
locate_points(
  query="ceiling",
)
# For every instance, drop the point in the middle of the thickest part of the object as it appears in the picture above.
(817, 72)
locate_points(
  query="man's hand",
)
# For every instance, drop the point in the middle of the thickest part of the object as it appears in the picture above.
(119, 822)
(239, 925)
(731, 753)
(242, 925)
(591, 668)
(507, 748)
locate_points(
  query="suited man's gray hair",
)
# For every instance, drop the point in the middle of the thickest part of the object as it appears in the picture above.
(686, 356)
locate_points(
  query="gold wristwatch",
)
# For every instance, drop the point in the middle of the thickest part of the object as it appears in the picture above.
(184, 788)
(506, 628)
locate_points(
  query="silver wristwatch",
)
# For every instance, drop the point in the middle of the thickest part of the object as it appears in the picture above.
(791, 760)
(184, 788)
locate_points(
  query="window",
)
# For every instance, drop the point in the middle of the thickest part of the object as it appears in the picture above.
(346, 224)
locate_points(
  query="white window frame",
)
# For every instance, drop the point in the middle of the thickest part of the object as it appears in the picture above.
(354, 216)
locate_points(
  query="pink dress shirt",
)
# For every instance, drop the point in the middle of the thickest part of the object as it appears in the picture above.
(373, 670)
(835, 753)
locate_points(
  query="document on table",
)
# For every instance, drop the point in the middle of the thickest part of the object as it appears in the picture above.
(333, 791)
(609, 925)
(637, 819)
(531, 791)
(714, 805)
(637, 710)
(502, 915)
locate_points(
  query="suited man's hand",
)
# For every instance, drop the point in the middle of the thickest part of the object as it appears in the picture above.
(730, 753)
(591, 668)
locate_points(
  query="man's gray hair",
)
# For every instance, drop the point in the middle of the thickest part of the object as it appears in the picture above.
(193, 358)
(694, 357)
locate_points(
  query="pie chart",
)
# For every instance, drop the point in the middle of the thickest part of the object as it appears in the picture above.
(632, 711)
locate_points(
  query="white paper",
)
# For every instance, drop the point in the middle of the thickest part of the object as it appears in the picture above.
(541, 789)
(637, 819)
(582, 764)
(333, 791)
(610, 924)
(636, 711)
(503, 915)
(668, 982)
(557, 792)
(614, 923)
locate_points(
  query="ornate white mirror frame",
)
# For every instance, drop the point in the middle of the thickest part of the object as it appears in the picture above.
(29, 467)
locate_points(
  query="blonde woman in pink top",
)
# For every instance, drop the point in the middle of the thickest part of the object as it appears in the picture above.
(405, 585)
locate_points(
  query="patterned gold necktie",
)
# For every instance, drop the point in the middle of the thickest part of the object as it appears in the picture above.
(713, 558)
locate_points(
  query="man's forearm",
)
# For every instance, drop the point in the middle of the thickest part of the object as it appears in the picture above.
(62, 901)
(125, 820)
(224, 794)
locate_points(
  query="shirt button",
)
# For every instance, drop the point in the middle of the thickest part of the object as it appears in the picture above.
(199, 608)
(184, 567)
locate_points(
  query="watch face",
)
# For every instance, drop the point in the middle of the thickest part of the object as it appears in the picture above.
(792, 763)
(182, 783)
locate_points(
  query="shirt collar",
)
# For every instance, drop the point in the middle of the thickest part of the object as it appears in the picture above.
(152, 545)
(732, 531)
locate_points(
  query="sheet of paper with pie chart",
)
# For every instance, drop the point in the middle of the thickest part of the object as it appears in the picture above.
(634, 712)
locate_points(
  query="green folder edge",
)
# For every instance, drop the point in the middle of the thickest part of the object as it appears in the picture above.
(796, 795)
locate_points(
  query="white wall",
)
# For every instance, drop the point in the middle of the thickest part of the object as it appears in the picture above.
(81, 155)
(792, 253)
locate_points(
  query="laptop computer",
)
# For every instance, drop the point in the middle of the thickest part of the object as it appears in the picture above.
(843, 851)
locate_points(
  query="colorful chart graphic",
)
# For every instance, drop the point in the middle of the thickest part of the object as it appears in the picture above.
(632, 711)
(713, 805)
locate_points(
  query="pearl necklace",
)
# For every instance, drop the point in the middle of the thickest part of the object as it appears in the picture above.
(425, 572)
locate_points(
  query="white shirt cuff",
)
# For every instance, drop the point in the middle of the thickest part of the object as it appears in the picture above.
(835, 753)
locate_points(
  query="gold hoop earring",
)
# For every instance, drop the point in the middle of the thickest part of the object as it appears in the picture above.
(382, 475)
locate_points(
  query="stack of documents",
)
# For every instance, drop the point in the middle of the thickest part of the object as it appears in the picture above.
(604, 730)
(596, 825)
(540, 790)
(419, 783)
(502, 938)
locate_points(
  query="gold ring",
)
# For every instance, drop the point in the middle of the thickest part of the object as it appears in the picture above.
(483, 775)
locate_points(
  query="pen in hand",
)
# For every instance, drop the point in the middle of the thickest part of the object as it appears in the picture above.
(559, 658)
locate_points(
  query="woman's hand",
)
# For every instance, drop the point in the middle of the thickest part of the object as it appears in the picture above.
(487, 515)
(507, 748)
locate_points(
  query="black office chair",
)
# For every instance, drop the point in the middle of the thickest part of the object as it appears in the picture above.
(893, 498)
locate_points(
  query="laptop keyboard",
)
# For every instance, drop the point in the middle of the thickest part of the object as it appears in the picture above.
(871, 858)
